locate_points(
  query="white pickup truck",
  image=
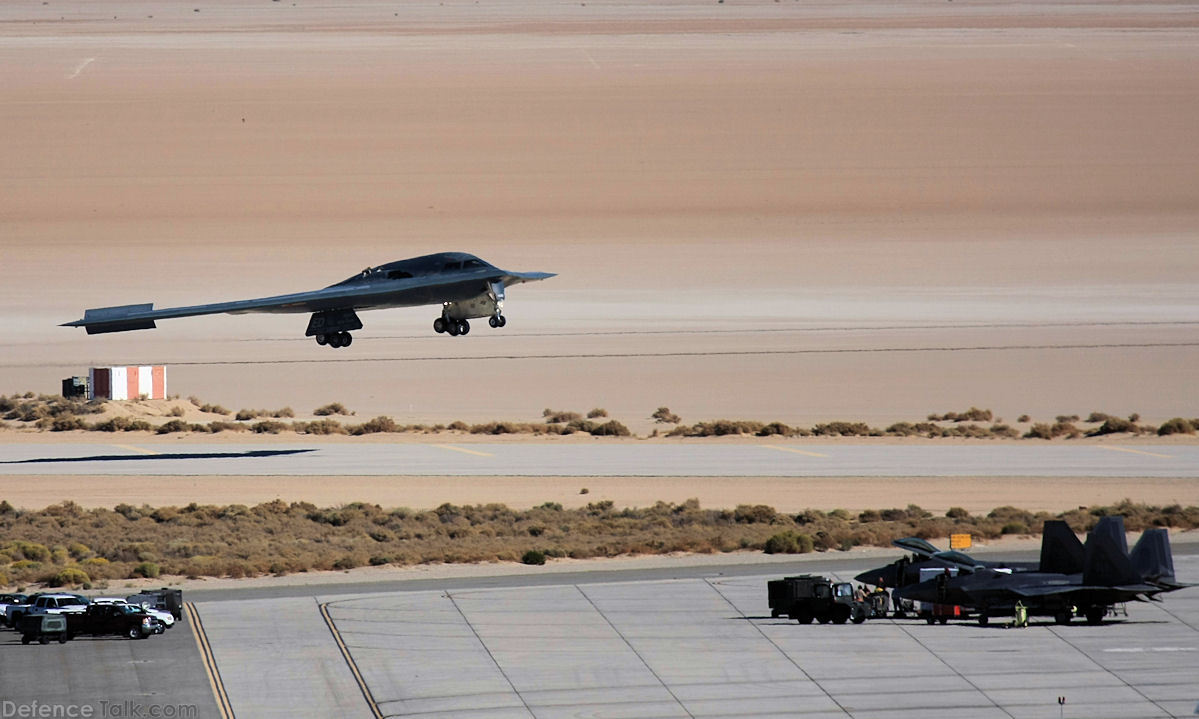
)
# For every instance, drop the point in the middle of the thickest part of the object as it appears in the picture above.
(46, 604)
(10, 600)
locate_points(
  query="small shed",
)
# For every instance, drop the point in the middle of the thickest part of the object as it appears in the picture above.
(131, 382)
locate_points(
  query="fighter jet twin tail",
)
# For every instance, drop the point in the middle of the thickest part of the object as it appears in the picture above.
(1071, 579)
(465, 286)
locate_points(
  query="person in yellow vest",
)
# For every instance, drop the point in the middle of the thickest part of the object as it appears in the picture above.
(1021, 615)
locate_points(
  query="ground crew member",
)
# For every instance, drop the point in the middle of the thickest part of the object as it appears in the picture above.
(1021, 615)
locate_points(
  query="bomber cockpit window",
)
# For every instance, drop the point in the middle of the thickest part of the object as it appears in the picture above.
(472, 263)
(398, 275)
(453, 266)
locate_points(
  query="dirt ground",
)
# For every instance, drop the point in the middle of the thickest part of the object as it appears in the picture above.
(759, 210)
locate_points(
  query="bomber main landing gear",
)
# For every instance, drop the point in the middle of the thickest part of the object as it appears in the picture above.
(335, 339)
(450, 326)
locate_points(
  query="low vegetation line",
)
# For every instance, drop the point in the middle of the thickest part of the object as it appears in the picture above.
(54, 413)
(67, 545)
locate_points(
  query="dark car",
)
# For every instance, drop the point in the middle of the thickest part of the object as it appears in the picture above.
(120, 619)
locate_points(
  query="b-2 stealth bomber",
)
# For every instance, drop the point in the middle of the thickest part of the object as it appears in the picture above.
(465, 286)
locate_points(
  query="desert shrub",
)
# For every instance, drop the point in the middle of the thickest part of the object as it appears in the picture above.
(66, 423)
(175, 425)
(1065, 429)
(213, 408)
(376, 425)
(775, 428)
(554, 416)
(1040, 430)
(1178, 425)
(597, 412)
(286, 412)
(68, 577)
(268, 426)
(789, 542)
(248, 414)
(1004, 431)
(332, 409)
(1067, 418)
(1014, 528)
(123, 424)
(754, 514)
(844, 429)
(611, 428)
(176, 412)
(149, 570)
(1023, 418)
(1097, 417)
(1113, 425)
(320, 426)
(974, 414)
(663, 415)
(218, 425)
(459, 426)
(533, 556)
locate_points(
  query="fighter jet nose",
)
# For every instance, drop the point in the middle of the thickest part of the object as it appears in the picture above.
(882, 576)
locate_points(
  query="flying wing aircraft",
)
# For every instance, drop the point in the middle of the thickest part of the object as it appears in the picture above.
(465, 286)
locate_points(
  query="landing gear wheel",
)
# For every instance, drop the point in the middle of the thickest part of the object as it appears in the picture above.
(322, 340)
(463, 327)
(346, 339)
(983, 619)
(503, 320)
(439, 325)
(453, 328)
(1063, 616)
(493, 322)
(334, 340)
(1095, 615)
(804, 618)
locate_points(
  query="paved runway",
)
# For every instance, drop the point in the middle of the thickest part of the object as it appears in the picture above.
(688, 642)
(616, 459)
(697, 647)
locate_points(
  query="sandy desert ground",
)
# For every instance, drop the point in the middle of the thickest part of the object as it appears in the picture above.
(766, 210)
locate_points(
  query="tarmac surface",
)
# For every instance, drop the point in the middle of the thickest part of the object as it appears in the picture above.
(526, 459)
(685, 642)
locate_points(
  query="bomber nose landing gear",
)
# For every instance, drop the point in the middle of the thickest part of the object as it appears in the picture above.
(497, 320)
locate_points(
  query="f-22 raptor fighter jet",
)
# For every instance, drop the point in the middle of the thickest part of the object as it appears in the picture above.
(465, 286)
(1108, 575)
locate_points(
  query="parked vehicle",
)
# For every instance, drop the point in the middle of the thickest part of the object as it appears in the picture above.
(120, 619)
(809, 597)
(47, 604)
(165, 600)
(9, 600)
(43, 628)
(167, 619)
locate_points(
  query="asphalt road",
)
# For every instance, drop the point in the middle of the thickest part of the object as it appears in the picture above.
(617, 459)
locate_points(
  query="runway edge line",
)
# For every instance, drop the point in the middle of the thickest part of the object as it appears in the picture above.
(210, 667)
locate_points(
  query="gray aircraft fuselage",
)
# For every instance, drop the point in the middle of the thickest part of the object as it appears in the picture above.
(465, 286)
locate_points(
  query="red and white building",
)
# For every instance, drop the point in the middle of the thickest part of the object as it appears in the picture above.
(148, 381)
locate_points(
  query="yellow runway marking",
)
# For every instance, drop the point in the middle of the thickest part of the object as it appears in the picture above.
(793, 451)
(1136, 451)
(452, 448)
(131, 448)
(345, 653)
(214, 675)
